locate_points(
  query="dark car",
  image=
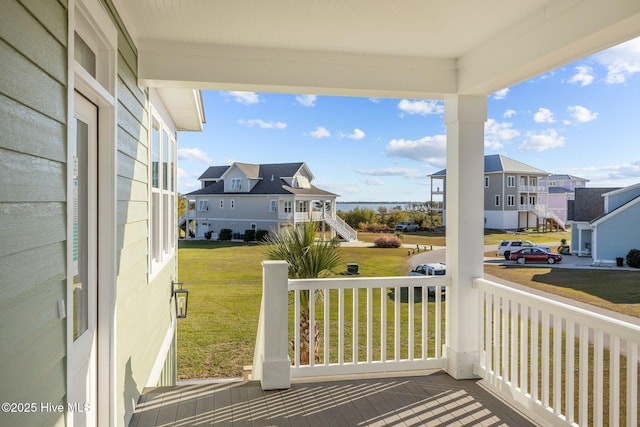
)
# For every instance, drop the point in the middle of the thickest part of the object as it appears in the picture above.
(534, 255)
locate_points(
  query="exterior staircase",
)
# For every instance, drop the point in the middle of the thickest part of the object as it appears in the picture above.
(543, 212)
(343, 229)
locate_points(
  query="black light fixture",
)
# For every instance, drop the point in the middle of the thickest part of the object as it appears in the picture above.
(181, 299)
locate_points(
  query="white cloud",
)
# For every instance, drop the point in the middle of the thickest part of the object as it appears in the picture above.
(621, 61)
(193, 154)
(262, 124)
(584, 75)
(610, 175)
(306, 100)
(542, 141)
(509, 113)
(582, 114)
(430, 149)
(357, 134)
(543, 115)
(375, 100)
(407, 172)
(373, 181)
(422, 108)
(501, 94)
(320, 133)
(245, 98)
(495, 133)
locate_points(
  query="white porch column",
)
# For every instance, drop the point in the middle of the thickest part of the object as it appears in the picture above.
(271, 363)
(464, 118)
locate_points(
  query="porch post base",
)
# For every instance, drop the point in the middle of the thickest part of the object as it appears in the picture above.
(460, 365)
(276, 374)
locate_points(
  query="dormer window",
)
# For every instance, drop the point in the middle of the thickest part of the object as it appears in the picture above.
(236, 184)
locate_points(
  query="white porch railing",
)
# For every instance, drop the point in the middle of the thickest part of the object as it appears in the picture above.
(364, 324)
(560, 362)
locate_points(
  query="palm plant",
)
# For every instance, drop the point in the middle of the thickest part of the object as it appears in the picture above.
(307, 259)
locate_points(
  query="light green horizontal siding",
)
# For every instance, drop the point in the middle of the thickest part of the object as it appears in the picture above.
(27, 131)
(33, 98)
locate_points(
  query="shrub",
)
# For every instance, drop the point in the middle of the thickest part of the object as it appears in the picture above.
(225, 234)
(387, 242)
(249, 235)
(261, 235)
(633, 258)
(207, 235)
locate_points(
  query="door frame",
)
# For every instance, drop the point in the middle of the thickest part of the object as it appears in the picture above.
(90, 20)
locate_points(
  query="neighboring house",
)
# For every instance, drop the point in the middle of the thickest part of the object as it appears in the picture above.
(88, 202)
(246, 196)
(561, 190)
(513, 194)
(605, 222)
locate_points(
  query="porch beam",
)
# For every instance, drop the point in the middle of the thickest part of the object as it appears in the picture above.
(220, 67)
(464, 118)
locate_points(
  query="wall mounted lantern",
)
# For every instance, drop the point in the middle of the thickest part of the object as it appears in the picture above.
(181, 299)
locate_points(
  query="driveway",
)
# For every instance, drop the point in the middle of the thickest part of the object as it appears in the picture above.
(439, 255)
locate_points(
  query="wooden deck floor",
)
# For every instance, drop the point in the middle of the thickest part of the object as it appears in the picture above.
(427, 398)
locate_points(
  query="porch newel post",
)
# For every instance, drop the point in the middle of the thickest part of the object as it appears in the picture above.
(464, 118)
(271, 364)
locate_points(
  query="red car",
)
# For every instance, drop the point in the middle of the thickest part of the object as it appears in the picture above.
(534, 255)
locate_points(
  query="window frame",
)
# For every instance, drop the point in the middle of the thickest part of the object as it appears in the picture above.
(486, 181)
(273, 205)
(236, 184)
(511, 181)
(162, 193)
(497, 200)
(511, 200)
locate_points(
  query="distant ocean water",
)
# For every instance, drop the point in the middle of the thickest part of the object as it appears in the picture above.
(349, 206)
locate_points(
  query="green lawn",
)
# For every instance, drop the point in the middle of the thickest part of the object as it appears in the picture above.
(225, 279)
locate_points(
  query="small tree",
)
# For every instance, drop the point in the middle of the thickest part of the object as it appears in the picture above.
(633, 258)
(307, 259)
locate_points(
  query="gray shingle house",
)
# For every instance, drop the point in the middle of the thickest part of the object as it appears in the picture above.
(514, 194)
(605, 222)
(245, 196)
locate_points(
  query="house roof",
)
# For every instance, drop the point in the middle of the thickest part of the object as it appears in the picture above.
(213, 172)
(588, 204)
(270, 179)
(562, 177)
(617, 210)
(496, 163)
(559, 190)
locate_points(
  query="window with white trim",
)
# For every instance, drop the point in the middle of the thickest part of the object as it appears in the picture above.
(497, 200)
(221, 204)
(232, 204)
(288, 206)
(236, 184)
(486, 181)
(203, 205)
(511, 200)
(302, 206)
(273, 205)
(163, 192)
(511, 181)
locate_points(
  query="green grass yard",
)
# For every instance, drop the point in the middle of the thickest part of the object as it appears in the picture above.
(225, 279)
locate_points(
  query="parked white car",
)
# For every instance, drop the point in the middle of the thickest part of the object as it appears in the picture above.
(407, 226)
(505, 247)
(436, 269)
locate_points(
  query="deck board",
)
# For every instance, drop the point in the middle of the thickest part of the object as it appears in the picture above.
(421, 398)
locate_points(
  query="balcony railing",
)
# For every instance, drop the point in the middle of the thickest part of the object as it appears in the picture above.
(301, 216)
(563, 363)
(567, 365)
(363, 325)
(533, 189)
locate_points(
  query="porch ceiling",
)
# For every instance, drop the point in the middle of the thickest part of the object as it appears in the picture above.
(418, 48)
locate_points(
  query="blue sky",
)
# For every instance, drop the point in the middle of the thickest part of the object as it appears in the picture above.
(581, 119)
